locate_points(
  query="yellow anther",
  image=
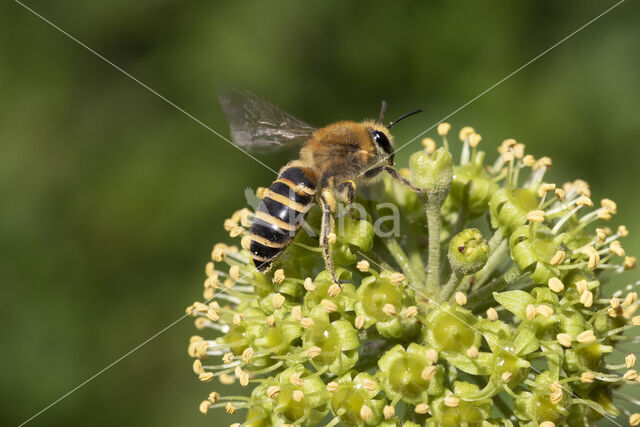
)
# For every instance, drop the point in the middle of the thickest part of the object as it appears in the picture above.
(429, 145)
(560, 194)
(226, 379)
(278, 300)
(547, 424)
(270, 321)
(586, 298)
(555, 284)
(397, 278)
(421, 408)
(629, 262)
(634, 419)
(492, 314)
(473, 352)
(518, 151)
(452, 401)
(297, 395)
(581, 286)
(204, 406)
(366, 413)
(363, 265)
(594, 257)
(309, 285)
(388, 412)
(631, 298)
(609, 205)
(616, 248)
(296, 313)
(370, 385)
(332, 238)
(545, 188)
(278, 276)
(622, 231)
(247, 354)
(296, 380)
(227, 358)
(586, 337)
(237, 318)
(306, 322)
(314, 351)
(230, 409)
(329, 306)
(474, 139)
(630, 375)
(334, 290)
(529, 160)
(564, 340)
(205, 377)
(630, 360)
(460, 298)
(332, 387)
(411, 312)
(506, 376)
(544, 310)
(584, 201)
(465, 132)
(530, 311)
(601, 235)
(443, 128)
(543, 162)
(587, 377)
(536, 216)
(273, 391)
(389, 310)
(428, 372)
(558, 257)
(359, 322)
(432, 355)
(197, 367)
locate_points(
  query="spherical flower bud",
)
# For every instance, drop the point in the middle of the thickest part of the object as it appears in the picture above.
(432, 173)
(468, 252)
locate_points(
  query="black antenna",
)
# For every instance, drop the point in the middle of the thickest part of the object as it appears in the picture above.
(404, 116)
(383, 108)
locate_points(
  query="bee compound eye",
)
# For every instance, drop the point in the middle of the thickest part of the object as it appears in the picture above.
(383, 142)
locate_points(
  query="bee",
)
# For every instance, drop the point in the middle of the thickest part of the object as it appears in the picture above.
(332, 159)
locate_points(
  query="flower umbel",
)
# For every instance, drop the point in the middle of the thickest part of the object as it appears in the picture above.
(487, 309)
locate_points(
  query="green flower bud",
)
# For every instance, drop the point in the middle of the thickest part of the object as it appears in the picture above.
(308, 401)
(468, 252)
(509, 208)
(433, 173)
(472, 186)
(448, 412)
(352, 394)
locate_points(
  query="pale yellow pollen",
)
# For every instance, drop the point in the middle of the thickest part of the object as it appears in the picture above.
(587, 377)
(359, 322)
(594, 257)
(564, 340)
(558, 257)
(603, 214)
(465, 132)
(536, 216)
(547, 424)
(270, 321)
(474, 139)
(428, 372)
(451, 401)
(296, 380)
(226, 379)
(411, 312)
(508, 156)
(555, 284)
(247, 354)
(208, 293)
(238, 372)
(634, 419)
(432, 355)
(584, 201)
(237, 318)
(230, 409)
(629, 262)
(328, 306)
(363, 265)
(332, 238)
(227, 358)
(388, 412)
(200, 307)
(273, 391)
(586, 298)
(389, 310)
(530, 311)
(631, 298)
(506, 145)
(421, 408)
(332, 387)
(581, 286)
(212, 281)
(529, 160)
(204, 406)
(615, 302)
(556, 397)
(296, 313)
(306, 322)
(370, 385)
(601, 235)
(492, 314)
(209, 269)
(630, 360)
(518, 151)
(460, 298)
(630, 375)
(314, 351)
(278, 276)
(560, 194)
(609, 205)
(473, 352)
(201, 349)
(545, 188)
(197, 367)
(244, 379)
(214, 397)
(544, 310)
(506, 376)
(586, 337)
(236, 231)
(629, 311)
(309, 285)
(443, 128)
(622, 231)
(278, 300)
(429, 145)
(217, 254)
(297, 395)
(334, 290)
(543, 162)
(397, 278)
(245, 242)
(366, 413)
(205, 377)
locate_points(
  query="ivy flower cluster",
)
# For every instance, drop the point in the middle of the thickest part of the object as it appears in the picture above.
(488, 308)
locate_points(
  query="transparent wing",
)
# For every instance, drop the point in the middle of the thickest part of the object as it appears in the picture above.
(258, 125)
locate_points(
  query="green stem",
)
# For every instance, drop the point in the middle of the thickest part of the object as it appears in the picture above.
(433, 206)
(482, 296)
(496, 257)
(450, 287)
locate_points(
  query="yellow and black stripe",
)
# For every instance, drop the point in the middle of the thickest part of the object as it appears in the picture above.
(280, 214)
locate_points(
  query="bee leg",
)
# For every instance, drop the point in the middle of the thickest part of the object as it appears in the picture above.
(326, 201)
(347, 192)
(396, 175)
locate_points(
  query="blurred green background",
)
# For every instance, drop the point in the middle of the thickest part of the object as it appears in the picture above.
(112, 199)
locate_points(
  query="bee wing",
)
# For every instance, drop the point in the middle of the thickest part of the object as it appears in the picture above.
(259, 125)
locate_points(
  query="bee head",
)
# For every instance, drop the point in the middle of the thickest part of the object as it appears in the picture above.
(381, 136)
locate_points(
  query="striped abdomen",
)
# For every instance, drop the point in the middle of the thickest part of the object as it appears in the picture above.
(280, 214)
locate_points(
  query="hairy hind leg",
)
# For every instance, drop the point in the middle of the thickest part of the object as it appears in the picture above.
(326, 200)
